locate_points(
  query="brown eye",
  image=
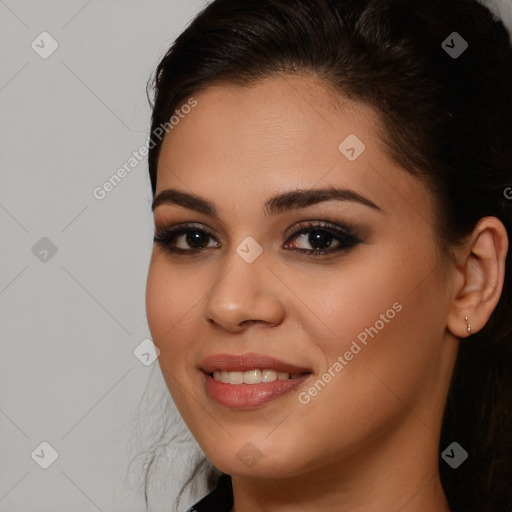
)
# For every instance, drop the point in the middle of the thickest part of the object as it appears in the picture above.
(319, 235)
(195, 238)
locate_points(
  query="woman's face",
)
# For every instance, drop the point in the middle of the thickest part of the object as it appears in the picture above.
(364, 325)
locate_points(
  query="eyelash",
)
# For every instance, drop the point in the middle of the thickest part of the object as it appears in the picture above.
(346, 235)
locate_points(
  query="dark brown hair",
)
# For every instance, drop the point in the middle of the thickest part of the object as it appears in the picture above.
(445, 119)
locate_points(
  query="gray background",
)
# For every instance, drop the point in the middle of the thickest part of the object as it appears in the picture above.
(70, 324)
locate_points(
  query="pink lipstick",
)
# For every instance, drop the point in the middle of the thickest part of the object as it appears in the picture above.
(250, 380)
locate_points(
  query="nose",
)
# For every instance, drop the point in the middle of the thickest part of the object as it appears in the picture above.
(245, 294)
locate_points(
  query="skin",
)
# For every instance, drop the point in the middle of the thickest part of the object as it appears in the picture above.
(368, 441)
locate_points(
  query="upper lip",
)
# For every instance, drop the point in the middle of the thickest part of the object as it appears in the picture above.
(248, 361)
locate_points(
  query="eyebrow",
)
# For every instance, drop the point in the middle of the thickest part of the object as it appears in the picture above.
(293, 199)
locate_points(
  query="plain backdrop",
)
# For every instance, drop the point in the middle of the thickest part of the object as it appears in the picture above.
(73, 267)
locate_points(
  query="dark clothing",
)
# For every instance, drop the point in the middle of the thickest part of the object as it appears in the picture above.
(219, 500)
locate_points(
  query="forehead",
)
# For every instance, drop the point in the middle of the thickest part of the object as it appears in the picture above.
(268, 113)
(266, 128)
(281, 133)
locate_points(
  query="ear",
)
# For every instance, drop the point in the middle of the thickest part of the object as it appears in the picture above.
(481, 265)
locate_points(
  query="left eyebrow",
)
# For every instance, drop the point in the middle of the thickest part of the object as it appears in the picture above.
(293, 199)
(303, 198)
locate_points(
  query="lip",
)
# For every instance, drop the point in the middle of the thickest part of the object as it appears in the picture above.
(249, 396)
(248, 361)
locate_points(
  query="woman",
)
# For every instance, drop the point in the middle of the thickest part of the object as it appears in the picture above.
(330, 283)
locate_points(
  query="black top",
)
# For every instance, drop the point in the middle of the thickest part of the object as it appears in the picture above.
(219, 500)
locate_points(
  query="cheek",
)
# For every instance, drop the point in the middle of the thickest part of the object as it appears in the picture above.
(159, 304)
(386, 323)
(167, 304)
(174, 302)
(169, 299)
(350, 303)
(374, 391)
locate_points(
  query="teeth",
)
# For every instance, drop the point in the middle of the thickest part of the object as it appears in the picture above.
(252, 376)
(268, 376)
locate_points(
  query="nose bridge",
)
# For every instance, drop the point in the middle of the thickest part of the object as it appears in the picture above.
(243, 290)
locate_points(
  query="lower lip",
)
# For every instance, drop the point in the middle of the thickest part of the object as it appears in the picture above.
(248, 396)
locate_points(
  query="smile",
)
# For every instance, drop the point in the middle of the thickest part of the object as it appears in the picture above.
(253, 376)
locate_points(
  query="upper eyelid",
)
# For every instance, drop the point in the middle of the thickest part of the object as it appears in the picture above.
(343, 227)
(296, 230)
(315, 223)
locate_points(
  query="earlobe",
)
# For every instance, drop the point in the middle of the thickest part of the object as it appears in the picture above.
(468, 328)
(482, 264)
